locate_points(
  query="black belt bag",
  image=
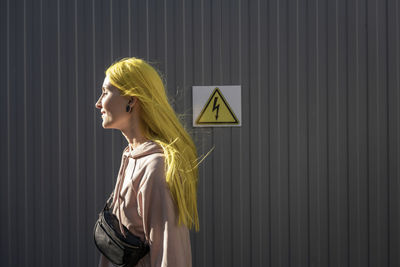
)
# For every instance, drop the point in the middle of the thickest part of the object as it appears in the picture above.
(121, 251)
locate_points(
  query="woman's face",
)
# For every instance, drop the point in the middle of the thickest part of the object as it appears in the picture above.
(112, 106)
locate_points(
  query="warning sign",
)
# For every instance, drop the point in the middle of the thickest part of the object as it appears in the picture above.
(217, 111)
(216, 106)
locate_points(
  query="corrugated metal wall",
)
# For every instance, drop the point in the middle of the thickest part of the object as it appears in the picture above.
(310, 179)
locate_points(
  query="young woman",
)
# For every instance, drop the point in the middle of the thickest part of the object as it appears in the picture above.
(155, 193)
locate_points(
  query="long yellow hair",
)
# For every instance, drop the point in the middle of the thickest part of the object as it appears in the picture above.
(135, 77)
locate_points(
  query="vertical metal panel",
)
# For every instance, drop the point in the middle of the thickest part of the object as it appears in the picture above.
(337, 135)
(393, 81)
(377, 133)
(357, 134)
(310, 179)
(317, 117)
(278, 127)
(4, 144)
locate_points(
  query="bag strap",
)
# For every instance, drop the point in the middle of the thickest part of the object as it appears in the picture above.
(108, 202)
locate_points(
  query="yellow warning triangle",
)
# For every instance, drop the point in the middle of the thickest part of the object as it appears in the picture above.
(217, 111)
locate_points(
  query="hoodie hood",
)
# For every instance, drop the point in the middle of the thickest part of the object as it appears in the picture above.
(144, 149)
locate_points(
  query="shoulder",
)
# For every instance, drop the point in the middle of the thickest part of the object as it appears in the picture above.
(153, 167)
(153, 161)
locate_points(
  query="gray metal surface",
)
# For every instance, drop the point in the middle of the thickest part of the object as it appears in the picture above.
(310, 179)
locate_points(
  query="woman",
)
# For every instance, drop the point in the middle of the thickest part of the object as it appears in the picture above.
(157, 181)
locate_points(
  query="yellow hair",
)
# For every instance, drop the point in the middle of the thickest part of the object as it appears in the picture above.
(135, 77)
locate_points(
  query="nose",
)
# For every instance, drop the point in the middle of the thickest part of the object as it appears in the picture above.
(98, 104)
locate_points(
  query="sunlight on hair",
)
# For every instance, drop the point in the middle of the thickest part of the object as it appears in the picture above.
(135, 77)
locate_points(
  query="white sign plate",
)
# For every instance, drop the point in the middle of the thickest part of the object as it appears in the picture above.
(217, 106)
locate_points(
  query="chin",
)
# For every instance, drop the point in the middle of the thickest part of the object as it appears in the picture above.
(109, 126)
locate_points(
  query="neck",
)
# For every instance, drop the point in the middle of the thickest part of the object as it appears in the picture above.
(135, 142)
(133, 130)
(133, 134)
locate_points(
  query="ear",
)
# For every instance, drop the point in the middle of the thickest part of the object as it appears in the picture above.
(134, 100)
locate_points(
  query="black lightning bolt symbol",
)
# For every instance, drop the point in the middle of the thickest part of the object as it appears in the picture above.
(216, 107)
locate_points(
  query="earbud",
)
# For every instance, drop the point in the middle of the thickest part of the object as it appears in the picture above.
(128, 107)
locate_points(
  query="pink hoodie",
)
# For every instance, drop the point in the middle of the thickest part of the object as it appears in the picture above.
(147, 209)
